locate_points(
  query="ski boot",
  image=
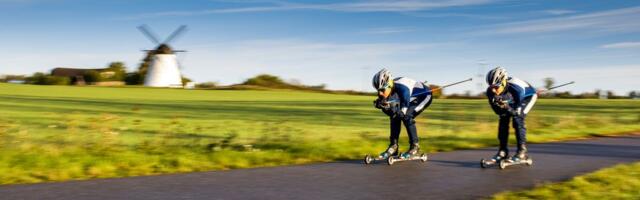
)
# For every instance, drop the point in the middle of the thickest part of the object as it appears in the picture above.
(521, 157)
(501, 155)
(391, 151)
(411, 154)
(413, 150)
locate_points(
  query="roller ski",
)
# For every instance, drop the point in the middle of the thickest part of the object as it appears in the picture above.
(391, 151)
(520, 158)
(410, 155)
(495, 160)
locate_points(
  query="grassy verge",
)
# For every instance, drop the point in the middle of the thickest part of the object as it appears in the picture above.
(56, 133)
(618, 182)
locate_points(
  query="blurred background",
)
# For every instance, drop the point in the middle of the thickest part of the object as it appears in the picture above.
(265, 83)
(336, 43)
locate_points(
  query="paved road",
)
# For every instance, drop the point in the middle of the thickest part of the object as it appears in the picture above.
(450, 175)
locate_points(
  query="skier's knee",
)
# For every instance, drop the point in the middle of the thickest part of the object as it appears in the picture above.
(409, 121)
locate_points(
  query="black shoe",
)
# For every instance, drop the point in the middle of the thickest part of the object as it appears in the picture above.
(392, 150)
(413, 150)
(521, 154)
(502, 154)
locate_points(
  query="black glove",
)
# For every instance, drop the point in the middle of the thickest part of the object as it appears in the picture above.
(498, 102)
(381, 104)
(399, 114)
(376, 103)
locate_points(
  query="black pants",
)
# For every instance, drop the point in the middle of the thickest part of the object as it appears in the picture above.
(518, 125)
(409, 123)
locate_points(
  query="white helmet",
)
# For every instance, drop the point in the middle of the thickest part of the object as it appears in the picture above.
(382, 79)
(496, 76)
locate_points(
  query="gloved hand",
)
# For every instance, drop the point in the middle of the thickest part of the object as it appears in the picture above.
(399, 114)
(499, 102)
(376, 103)
(380, 104)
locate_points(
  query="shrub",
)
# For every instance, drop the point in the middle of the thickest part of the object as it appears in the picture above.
(43, 79)
(266, 80)
(207, 85)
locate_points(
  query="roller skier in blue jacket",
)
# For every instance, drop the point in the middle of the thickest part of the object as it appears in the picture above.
(402, 99)
(511, 99)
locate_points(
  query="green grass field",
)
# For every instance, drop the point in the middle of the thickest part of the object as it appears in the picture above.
(619, 182)
(55, 133)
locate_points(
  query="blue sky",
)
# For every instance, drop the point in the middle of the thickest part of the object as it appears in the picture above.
(339, 43)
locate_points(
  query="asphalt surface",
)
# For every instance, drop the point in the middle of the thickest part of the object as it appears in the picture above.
(450, 175)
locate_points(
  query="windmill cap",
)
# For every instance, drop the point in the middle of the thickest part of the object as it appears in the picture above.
(164, 49)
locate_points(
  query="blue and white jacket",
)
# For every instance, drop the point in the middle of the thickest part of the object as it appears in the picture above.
(411, 94)
(519, 96)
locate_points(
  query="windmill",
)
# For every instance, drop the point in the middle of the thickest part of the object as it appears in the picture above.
(164, 67)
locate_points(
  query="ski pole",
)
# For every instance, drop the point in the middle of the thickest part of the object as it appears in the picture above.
(452, 84)
(557, 86)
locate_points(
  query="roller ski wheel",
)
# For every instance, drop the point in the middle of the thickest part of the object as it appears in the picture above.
(486, 163)
(503, 164)
(391, 160)
(483, 163)
(368, 159)
(529, 161)
(394, 159)
(509, 162)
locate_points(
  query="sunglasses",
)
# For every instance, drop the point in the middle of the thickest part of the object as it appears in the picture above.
(384, 87)
(495, 86)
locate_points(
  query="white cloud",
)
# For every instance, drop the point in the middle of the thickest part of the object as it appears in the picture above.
(618, 78)
(558, 12)
(23, 2)
(358, 6)
(621, 45)
(389, 30)
(619, 20)
(341, 66)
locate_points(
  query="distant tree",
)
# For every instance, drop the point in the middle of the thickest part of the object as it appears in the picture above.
(588, 95)
(7, 78)
(144, 67)
(265, 80)
(44, 79)
(564, 95)
(37, 78)
(185, 80)
(92, 76)
(315, 87)
(119, 69)
(133, 78)
(633, 94)
(548, 82)
(57, 80)
(610, 94)
(207, 85)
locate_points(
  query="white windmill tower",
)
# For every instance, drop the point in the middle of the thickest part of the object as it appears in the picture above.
(164, 68)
